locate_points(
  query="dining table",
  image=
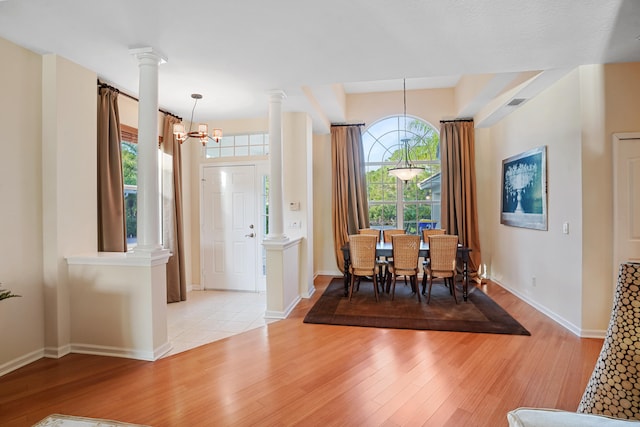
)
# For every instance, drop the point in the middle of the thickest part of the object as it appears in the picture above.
(385, 249)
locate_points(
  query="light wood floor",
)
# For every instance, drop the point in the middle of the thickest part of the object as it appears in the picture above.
(291, 373)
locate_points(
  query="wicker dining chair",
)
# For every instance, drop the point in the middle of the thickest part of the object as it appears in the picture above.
(426, 232)
(371, 232)
(363, 263)
(443, 251)
(387, 234)
(406, 248)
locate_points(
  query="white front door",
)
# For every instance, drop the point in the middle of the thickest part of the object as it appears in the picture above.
(626, 203)
(229, 230)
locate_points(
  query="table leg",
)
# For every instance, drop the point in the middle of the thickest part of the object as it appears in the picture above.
(465, 279)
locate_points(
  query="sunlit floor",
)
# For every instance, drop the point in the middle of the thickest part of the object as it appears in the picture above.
(208, 316)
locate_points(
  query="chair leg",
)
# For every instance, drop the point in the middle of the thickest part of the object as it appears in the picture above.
(453, 287)
(387, 279)
(375, 287)
(424, 282)
(416, 288)
(429, 291)
(393, 291)
(351, 287)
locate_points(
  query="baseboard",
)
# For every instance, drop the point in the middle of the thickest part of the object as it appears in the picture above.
(57, 352)
(329, 273)
(162, 350)
(99, 350)
(311, 292)
(282, 314)
(582, 333)
(21, 361)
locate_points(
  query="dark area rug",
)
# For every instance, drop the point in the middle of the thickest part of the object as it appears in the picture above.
(478, 314)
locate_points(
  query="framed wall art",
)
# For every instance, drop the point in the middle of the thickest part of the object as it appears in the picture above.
(524, 190)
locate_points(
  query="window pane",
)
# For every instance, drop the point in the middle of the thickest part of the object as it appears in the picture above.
(227, 141)
(375, 192)
(242, 140)
(256, 151)
(256, 139)
(212, 153)
(131, 214)
(410, 218)
(382, 215)
(242, 151)
(129, 153)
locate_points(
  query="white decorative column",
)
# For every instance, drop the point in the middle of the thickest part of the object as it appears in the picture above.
(148, 182)
(282, 254)
(276, 223)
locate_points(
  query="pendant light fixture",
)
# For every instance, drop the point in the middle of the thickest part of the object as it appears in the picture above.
(203, 130)
(405, 170)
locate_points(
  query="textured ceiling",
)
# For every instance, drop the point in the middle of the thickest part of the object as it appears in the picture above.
(235, 52)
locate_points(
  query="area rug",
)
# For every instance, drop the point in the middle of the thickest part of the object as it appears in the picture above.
(58, 420)
(478, 314)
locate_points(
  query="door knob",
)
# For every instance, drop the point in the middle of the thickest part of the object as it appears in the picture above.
(249, 235)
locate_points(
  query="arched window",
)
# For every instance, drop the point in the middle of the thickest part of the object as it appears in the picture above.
(393, 203)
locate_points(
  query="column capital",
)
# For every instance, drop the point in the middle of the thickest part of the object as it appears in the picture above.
(148, 53)
(277, 95)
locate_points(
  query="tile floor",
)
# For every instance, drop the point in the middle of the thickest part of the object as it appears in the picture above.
(207, 316)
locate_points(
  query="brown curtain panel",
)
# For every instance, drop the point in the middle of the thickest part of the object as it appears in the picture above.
(111, 218)
(172, 229)
(350, 209)
(459, 197)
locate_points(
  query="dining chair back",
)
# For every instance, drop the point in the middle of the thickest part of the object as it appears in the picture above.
(405, 250)
(371, 232)
(362, 257)
(443, 251)
(388, 233)
(426, 232)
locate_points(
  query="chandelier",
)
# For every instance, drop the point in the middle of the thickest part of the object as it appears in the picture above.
(203, 130)
(405, 170)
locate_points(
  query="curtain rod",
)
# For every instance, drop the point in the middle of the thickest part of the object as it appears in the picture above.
(101, 84)
(347, 124)
(456, 120)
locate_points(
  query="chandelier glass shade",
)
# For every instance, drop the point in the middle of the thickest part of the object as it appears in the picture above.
(405, 170)
(203, 130)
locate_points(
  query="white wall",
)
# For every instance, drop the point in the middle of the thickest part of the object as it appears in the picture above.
(298, 180)
(69, 185)
(519, 254)
(324, 260)
(21, 319)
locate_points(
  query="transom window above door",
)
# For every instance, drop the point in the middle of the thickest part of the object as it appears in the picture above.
(242, 145)
(393, 203)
